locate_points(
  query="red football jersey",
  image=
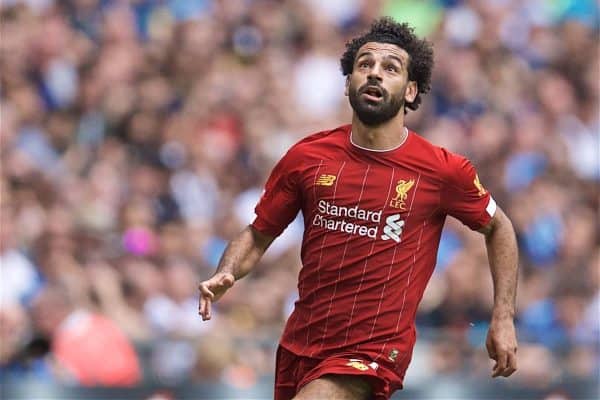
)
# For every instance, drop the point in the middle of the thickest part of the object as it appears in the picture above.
(373, 221)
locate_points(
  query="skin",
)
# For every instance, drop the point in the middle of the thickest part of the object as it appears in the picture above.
(239, 258)
(385, 65)
(335, 387)
(501, 342)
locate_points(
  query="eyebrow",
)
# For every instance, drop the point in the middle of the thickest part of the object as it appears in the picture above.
(396, 58)
(393, 57)
(368, 53)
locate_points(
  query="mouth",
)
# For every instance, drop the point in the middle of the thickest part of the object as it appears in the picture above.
(372, 93)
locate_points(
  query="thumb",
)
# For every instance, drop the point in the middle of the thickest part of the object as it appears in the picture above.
(227, 280)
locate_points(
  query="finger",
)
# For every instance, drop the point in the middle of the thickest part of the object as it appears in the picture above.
(205, 308)
(511, 364)
(500, 364)
(205, 291)
(205, 298)
(508, 372)
(202, 306)
(227, 280)
(208, 310)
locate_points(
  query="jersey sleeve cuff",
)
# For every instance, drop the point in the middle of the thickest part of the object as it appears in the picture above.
(263, 227)
(484, 217)
(491, 207)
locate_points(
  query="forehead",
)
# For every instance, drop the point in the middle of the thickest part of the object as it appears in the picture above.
(383, 50)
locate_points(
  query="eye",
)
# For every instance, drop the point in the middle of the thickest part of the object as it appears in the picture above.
(363, 64)
(391, 68)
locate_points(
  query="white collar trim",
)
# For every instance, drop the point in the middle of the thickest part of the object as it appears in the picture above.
(384, 150)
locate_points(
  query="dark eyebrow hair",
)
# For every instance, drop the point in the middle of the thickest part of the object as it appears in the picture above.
(391, 56)
(366, 53)
(396, 58)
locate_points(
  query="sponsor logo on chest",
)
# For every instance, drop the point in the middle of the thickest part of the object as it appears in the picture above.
(354, 220)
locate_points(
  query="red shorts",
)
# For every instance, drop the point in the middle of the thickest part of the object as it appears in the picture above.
(292, 372)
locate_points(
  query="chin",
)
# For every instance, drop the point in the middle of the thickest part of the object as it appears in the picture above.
(371, 120)
(371, 107)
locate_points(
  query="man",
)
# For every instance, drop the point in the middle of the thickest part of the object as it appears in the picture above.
(374, 197)
(89, 348)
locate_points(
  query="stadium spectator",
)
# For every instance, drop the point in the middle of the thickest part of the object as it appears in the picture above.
(89, 348)
(195, 99)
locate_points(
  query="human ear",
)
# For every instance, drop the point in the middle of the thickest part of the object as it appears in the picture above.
(411, 92)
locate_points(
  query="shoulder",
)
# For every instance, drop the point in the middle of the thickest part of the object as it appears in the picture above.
(309, 150)
(431, 153)
(316, 143)
(324, 138)
(445, 163)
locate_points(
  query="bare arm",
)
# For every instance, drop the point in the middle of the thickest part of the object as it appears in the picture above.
(243, 252)
(502, 252)
(239, 258)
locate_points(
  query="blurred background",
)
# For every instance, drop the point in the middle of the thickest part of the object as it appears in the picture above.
(136, 136)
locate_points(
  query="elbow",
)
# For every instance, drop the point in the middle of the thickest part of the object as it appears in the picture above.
(500, 225)
(260, 240)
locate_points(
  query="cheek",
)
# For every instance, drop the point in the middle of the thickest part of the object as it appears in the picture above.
(358, 78)
(352, 87)
(398, 90)
(353, 82)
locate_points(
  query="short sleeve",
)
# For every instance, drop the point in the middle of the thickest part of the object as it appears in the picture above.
(464, 197)
(280, 202)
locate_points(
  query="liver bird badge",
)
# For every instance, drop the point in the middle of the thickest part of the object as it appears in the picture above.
(402, 188)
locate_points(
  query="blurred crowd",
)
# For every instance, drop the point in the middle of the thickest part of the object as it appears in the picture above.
(136, 136)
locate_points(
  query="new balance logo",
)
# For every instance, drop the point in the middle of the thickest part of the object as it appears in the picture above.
(393, 228)
(326, 180)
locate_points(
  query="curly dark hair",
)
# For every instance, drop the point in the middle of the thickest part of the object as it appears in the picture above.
(420, 51)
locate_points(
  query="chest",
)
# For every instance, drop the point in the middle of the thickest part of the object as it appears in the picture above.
(353, 188)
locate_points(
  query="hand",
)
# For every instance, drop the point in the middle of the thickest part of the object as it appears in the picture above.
(501, 345)
(212, 290)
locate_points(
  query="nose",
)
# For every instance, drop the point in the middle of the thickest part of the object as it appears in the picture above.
(375, 73)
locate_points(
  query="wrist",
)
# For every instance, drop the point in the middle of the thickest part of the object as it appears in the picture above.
(503, 314)
(225, 274)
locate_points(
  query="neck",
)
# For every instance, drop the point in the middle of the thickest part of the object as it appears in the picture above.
(386, 136)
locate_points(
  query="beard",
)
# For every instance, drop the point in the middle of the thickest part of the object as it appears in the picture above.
(374, 113)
